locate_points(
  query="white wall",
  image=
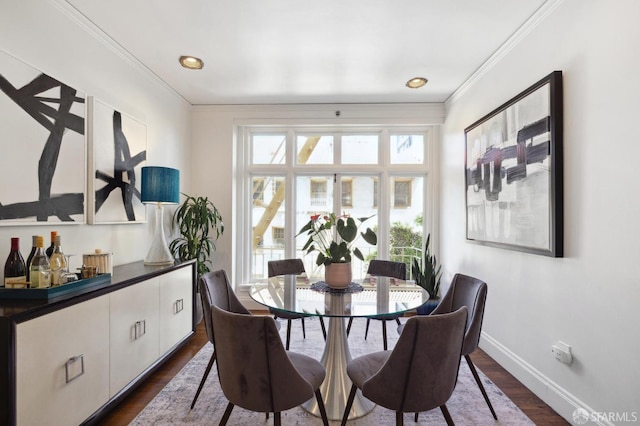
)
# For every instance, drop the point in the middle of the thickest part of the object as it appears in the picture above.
(589, 298)
(53, 39)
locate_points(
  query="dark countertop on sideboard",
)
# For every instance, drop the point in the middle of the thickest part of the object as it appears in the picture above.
(123, 275)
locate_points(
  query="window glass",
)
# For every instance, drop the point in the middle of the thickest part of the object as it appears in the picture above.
(402, 192)
(278, 236)
(313, 196)
(360, 149)
(405, 236)
(268, 223)
(318, 196)
(407, 149)
(374, 195)
(346, 193)
(314, 149)
(268, 149)
(257, 189)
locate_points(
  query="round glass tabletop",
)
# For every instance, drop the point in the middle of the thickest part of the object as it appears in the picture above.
(373, 296)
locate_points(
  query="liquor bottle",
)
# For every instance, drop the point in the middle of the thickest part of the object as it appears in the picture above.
(49, 251)
(30, 257)
(39, 267)
(58, 262)
(15, 270)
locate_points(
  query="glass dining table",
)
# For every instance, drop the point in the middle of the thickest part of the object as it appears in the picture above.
(370, 297)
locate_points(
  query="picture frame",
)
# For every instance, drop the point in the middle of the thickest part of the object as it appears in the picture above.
(117, 152)
(43, 165)
(513, 172)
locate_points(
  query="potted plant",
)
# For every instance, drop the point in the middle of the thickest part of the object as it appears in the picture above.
(428, 277)
(195, 219)
(333, 237)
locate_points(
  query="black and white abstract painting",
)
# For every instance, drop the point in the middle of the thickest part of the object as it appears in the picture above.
(513, 172)
(118, 146)
(43, 147)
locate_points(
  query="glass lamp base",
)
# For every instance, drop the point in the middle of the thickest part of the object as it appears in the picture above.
(159, 253)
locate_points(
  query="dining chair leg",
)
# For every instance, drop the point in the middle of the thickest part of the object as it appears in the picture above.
(324, 330)
(204, 378)
(304, 333)
(349, 325)
(398, 321)
(447, 416)
(399, 418)
(323, 412)
(366, 330)
(352, 396)
(415, 419)
(276, 418)
(227, 413)
(479, 382)
(384, 334)
(288, 333)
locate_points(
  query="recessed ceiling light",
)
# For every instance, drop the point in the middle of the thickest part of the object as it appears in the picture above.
(191, 62)
(416, 82)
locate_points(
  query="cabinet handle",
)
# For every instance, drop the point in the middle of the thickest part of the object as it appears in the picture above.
(178, 306)
(70, 363)
(139, 329)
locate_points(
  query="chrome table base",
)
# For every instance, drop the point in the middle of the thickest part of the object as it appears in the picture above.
(336, 386)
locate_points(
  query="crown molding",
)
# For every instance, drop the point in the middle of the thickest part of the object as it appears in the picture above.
(105, 39)
(540, 15)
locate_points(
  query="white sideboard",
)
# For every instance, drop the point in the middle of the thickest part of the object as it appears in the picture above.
(66, 361)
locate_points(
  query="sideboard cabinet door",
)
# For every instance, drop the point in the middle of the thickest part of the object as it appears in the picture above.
(176, 307)
(134, 332)
(62, 364)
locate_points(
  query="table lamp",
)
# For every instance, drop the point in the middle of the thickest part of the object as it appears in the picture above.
(160, 185)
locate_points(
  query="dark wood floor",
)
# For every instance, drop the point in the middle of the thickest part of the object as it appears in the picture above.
(126, 411)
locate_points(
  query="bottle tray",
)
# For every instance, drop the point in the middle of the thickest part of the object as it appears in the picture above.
(51, 292)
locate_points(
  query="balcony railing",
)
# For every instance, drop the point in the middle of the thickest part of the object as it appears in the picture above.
(262, 255)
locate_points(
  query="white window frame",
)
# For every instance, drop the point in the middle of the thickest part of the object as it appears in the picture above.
(383, 170)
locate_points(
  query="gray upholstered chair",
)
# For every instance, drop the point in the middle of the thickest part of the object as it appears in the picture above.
(421, 371)
(215, 290)
(255, 371)
(289, 267)
(384, 268)
(472, 293)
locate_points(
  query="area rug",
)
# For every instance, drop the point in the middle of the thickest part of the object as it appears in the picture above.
(171, 405)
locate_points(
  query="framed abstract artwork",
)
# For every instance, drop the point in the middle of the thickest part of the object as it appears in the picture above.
(43, 161)
(117, 152)
(513, 172)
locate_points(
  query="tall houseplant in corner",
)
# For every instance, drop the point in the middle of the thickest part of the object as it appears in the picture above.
(428, 276)
(197, 220)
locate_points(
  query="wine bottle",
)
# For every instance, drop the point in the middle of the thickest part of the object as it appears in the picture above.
(40, 269)
(49, 251)
(58, 262)
(30, 257)
(15, 271)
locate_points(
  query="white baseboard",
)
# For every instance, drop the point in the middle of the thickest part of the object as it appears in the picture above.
(558, 398)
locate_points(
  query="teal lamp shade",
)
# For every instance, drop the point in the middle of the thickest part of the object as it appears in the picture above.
(160, 185)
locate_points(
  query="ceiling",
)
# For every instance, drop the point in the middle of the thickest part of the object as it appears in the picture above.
(297, 51)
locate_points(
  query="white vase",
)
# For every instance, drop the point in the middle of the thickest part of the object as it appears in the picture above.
(338, 275)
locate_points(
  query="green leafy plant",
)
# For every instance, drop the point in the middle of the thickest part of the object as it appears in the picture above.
(195, 218)
(427, 276)
(322, 232)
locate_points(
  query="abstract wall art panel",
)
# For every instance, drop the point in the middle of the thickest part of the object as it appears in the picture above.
(43, 148)
(118, 150)
(513, 172)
